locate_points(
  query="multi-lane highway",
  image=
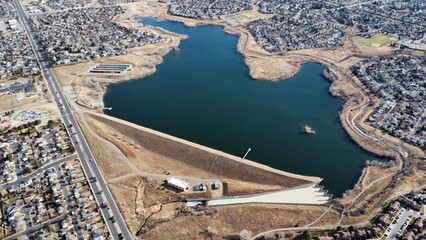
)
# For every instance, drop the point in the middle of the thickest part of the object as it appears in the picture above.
(93, 174)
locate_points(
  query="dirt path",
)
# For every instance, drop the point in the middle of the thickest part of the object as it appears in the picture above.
(365, 188)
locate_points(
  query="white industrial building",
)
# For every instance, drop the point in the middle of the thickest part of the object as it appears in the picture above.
(178, 183)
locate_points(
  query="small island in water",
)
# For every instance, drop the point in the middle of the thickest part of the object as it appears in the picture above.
(309, 130)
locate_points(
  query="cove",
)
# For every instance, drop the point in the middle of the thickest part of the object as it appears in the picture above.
(203, 93)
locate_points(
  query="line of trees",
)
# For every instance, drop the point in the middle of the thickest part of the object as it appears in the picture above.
(30, 126)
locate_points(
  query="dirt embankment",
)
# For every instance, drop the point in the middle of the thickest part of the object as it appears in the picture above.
(215, 162)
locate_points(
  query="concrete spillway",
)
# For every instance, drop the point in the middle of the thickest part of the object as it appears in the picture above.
(312, 194)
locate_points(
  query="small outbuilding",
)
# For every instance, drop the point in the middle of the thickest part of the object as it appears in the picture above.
(64, 224)
(178, 183)
(216, 185)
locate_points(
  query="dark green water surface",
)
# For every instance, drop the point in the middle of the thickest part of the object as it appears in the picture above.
(203, 93)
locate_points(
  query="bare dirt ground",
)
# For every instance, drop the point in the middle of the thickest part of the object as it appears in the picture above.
(219, 222)
(111, 162)
(139, 197)
(246, 16)
(6, 101)
(153, 212)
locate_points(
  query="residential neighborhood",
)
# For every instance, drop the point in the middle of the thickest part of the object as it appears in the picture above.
(32, 148)
(7, 10)
(43, 189)
(296, 29)
(206, 9)
(403, 218)
(312, 24)
(16, 56)
(404, 19)
(39, 7)
(400, 84)
(86, 34)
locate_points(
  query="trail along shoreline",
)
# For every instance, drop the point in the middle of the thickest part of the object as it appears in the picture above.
(262, 64)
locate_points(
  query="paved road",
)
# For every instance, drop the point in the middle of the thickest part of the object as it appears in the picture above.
(90, 168)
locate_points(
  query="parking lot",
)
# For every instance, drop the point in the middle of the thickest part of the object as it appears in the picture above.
(400, 222)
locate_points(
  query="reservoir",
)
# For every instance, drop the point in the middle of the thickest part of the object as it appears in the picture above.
(203, 93)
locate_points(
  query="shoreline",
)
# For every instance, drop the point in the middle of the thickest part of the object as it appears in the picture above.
(144, 59)
(336, 61)
(312, 179)
(158, 51)
(262, 64)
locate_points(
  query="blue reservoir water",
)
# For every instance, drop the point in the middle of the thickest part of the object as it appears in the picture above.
(203, 93)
